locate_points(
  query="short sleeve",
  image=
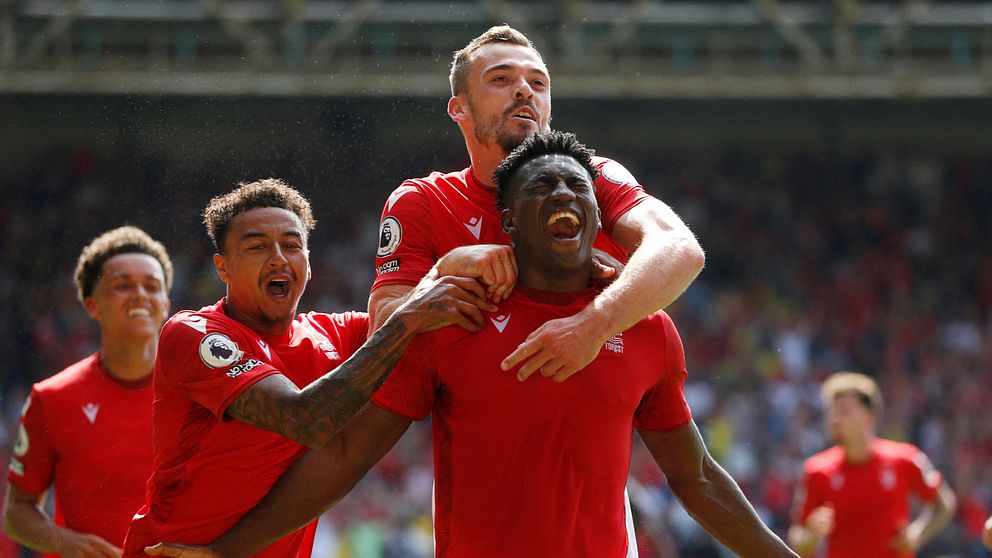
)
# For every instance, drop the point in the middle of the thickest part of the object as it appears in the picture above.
(812, 494)
(617, 192)
(32, 465)
(664, 406)
(411, 389)
(406, 250)
(924, 478)
(211, 369)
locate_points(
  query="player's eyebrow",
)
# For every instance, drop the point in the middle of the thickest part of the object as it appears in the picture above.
(506, 66)
(258, 234)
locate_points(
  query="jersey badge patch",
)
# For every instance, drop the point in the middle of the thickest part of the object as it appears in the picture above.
(617, 174)
(23, 442)
(615, 344)
(388, 266)
(17, 467)
(245, 366)
(390, 235)
(90, 410)
(474, 226)
(500, 321)
(217, 350)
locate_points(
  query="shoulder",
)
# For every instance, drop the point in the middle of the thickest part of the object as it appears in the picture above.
(344, 321)
(892, 450)
(612, 173)
(418, 188)
(824, 462)
(68, 378)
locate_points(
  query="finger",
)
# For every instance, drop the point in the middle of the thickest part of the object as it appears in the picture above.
(602, 271)
(523, 351)
(469, 316)
(565, 372)
(159, 549)
(508, 273)
(476, 297)
(532, 365)
(552, 367)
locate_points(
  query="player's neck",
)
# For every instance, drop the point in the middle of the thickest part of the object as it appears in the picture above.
(533, 277)
(128, 360)
(858, 449)
(485, 159)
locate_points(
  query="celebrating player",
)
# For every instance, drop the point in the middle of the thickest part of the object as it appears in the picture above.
(230, 414)
(856, 494)
(87, 430)
(531, 469)
(501, 94)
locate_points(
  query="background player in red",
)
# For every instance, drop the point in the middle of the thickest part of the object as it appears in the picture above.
(530, 469)
(230, 415)
(501, 94)
(87, 430)
(856, 494)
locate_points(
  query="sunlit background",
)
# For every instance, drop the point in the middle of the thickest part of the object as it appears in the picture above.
(833, 157)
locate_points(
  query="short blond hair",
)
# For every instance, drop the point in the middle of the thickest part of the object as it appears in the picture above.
(463, 58)
(854, 383)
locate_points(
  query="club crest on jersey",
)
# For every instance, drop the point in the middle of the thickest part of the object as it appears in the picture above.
(390, 235)
(217, 351)
(615, 344)
(617, 174)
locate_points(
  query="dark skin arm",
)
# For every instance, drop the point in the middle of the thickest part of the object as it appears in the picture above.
(313, 484)
(710, 495)
(314, 414)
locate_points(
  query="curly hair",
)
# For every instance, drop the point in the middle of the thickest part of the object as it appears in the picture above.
(122, 240)
(861, 386)
(464, 57)
(268, 192)
(548, 143)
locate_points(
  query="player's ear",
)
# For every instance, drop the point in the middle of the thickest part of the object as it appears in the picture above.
(220, 264)
(506, 220)
(457, 109)
(92, 310)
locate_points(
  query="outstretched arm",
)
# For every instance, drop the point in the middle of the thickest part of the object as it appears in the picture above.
(665, 259)
(313, 415)
(312, 485)
(710, 495)
(28, 524)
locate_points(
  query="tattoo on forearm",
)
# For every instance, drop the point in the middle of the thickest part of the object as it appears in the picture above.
(327, 404)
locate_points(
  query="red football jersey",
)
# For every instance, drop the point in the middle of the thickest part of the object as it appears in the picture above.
(89, 435)
(536, 468)
(210, 470)
(871, 499)
(425, 218)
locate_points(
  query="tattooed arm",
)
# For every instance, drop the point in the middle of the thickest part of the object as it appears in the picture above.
(313, 415)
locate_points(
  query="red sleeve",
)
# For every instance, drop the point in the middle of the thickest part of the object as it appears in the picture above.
(924, 479)
(406, 251)
(411, 388)
(617, 191)
(664, 406)
(813, 494)
(32, 466)
(185, 362)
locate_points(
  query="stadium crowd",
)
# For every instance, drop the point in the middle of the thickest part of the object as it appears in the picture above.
(816, 262)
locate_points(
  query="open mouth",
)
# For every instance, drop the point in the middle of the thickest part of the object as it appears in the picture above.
(525, 113)
(139, 313)
(563, 225)
(278, 288)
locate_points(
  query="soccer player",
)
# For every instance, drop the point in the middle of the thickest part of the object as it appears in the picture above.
(87, 430)
(532, 469)
(501, 94)
(856, 494)
(243, 387)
